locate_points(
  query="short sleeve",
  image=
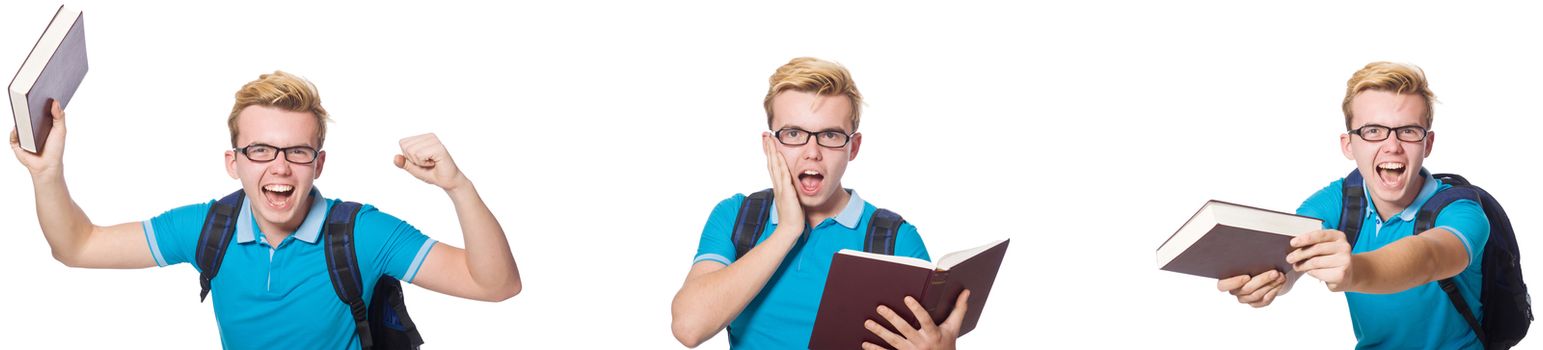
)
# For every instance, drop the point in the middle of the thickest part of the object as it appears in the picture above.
(1326, 205)
(173, 235)
(717, 235)
(389, 245)
(909, 243)
(1466, 220)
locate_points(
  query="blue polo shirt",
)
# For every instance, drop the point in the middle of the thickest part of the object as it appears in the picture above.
(268, 297)
(782, 315)
(1421, 317)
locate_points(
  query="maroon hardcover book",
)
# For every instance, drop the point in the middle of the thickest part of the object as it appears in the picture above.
(859, 282)
(1224, 240)
(51, 72)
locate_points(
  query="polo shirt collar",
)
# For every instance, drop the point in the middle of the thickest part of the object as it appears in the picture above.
(849, 215)
(1426, 191)
(309, 230)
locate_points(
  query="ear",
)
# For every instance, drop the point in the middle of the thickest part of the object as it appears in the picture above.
(230, 164)
(321, 159)
(857, 144)
(1430, 142)
(1344, 146)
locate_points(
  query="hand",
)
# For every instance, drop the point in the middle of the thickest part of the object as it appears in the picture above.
(50, 159)
(789, 210)
(426, 158)
(930, 337)
(1258, 290)
(1324, 254)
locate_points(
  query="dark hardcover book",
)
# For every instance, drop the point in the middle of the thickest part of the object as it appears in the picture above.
(859, 282)
(52, 72)
(1224, 240)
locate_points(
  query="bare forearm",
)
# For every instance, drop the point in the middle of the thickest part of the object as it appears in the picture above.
(488, 258)
(64, 224)
(1407, 263)
(707, 303)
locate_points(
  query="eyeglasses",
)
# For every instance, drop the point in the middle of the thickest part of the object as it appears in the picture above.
(800, 137)
(266, 153)
(1374, 132)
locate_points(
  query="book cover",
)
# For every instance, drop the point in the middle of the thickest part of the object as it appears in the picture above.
(859, 282)
(52, 72)
(1224, 240)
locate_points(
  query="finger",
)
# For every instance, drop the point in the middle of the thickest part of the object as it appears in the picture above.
(923, 318)
(400, 161)
(956, 317)
(1258, 293)
(1232, 284)
(1316, 237)
(1257, 282)
(1322, 262)
(1321, 249)
(899, 323)
(15, 137)
(872, 346)
(893, 339)
(58, 112)
(1268, 298)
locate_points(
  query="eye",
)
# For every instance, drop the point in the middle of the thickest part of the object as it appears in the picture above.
(793, 133)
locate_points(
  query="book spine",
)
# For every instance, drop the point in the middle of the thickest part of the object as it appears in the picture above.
(932, 298)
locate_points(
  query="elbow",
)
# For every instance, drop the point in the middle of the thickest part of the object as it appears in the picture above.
(69, 259)
(684, 334)
(504, 293)
(686, 329)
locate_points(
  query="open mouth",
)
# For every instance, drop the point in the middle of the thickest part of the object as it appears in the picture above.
(278, 195)
(809, 182)
(1391, 174)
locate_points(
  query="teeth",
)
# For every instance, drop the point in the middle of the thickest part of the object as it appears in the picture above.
(279, 188)
(1390, 166)
(811, 172)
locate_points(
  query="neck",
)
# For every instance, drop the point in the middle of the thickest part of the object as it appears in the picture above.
(275, 232)
(833, 207)
(1386, 209)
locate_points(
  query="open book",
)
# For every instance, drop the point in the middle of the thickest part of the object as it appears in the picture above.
(859, 282)
(1224, 240)
(52, 72)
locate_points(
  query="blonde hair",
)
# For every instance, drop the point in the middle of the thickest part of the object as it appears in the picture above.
(1399, 78)
(284, 91)
(821, 77)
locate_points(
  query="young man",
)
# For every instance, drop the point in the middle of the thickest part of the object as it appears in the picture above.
(768, 297)
(1390, 274)
(273, 291)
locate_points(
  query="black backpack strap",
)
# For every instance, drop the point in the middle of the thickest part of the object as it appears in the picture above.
(1425, 220)
(1353, 211)
(753, 213)
(214, 239)
(882, 229)
(343, 266)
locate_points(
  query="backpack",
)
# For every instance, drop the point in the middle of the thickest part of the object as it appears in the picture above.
(383, 325)
(1503, 295)
(756, 209)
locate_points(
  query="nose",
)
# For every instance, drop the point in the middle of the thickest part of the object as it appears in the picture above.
(1391, 146)
(811, 151)
(280, 166)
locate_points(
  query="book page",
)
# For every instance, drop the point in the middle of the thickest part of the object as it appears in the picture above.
(954, 259)
(903, 260)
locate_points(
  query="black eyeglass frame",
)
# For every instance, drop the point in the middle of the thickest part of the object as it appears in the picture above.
(845, 137)
(246, 152)
(1390, 132)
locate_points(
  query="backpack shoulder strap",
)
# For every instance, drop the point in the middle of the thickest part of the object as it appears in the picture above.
(1353, 210)
(883, 226)
(753, 213)
(343, 266)
(1425, 220)
(215, 237)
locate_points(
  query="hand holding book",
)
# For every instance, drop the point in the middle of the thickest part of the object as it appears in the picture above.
(930, 337)
(49, 162)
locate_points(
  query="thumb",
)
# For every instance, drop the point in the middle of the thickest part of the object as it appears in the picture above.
(401, 162)
(962, 306)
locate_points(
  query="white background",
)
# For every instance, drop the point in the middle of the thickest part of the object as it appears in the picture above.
(602, 134)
